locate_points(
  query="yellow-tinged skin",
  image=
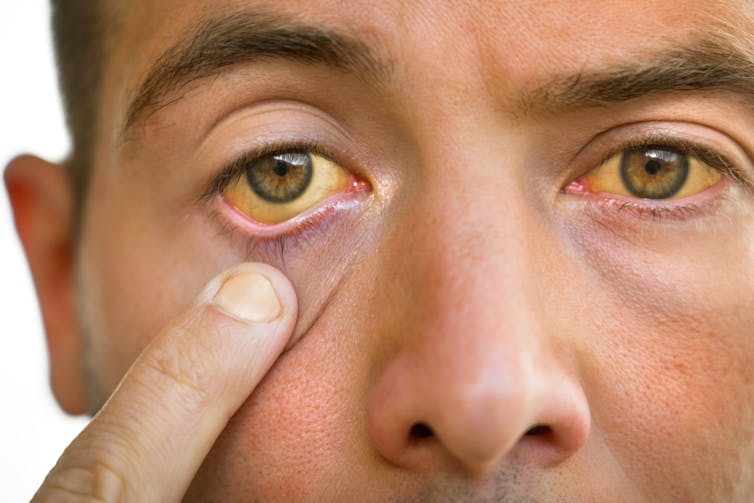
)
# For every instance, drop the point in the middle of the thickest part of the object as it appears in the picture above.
(467, 291)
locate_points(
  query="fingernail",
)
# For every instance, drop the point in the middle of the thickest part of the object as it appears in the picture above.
(250, 297)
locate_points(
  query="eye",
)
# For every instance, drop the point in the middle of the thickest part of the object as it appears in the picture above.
(273, 188)
(652, 172)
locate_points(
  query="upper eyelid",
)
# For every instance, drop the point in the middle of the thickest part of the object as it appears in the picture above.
(715, 159)
(277, 122)
(274, 107)
(704, 154)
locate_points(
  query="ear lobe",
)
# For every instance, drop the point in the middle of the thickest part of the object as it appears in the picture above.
(41, 201)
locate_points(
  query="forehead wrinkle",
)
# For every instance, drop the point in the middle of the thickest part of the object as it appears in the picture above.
(243, 37)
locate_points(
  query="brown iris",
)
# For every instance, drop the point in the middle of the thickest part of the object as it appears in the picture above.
(280, 178)
(653, 173)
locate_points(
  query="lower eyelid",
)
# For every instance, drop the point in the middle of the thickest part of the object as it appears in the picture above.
(319, 213)
(627, 210)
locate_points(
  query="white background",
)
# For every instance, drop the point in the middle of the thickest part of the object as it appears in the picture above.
(33, 431)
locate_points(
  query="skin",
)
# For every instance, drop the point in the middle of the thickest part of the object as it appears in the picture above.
(465, 290)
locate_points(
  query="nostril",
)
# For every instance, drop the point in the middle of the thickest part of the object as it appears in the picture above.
(539, 430)
(421, 431)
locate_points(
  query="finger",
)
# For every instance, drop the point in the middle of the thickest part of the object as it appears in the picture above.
(150, 438)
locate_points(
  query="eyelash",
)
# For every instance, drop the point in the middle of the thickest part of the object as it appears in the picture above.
(664, 211)
(235, 168)
(292, 236)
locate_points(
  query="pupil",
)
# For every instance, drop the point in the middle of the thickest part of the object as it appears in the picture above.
(652, 167)
(280, 169)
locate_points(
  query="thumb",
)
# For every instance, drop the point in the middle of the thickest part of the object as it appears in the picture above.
(150, 438)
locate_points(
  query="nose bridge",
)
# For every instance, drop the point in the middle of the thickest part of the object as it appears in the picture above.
(469, 341)
(468, 255)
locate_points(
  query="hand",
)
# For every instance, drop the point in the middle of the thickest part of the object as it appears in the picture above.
(151, 436)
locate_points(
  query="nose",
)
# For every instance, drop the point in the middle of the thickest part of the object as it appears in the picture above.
(473, 375)
(426, 415)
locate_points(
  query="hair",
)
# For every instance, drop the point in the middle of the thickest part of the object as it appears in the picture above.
(79, 39)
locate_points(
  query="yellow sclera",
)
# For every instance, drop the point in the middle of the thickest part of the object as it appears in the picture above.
(327, 178)
(609, 176)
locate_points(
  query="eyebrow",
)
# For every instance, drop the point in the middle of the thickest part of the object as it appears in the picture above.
(244, 37)
(251, 36)
(703, 65)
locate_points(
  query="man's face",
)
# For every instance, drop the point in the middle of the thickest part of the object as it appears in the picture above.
(486, 310)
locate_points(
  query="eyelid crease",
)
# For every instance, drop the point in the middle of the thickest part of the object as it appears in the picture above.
(261, 107)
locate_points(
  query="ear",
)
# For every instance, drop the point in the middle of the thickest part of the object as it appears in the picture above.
(41, 201)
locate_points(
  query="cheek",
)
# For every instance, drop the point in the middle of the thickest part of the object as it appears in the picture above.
(304, 426)
(135, 275)
(670, 404)
(304, 429)
(671, 376)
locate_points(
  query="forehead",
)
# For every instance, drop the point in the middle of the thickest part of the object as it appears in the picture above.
(517, 29)
(505, 45)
